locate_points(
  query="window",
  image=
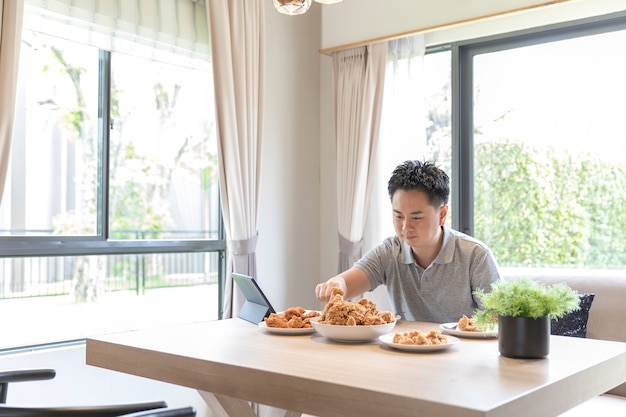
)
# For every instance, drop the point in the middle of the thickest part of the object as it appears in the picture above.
(548, 181)
(534, 138)
(110, 216)
(163, 152)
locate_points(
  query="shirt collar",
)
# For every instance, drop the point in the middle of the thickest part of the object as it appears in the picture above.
(446, 254)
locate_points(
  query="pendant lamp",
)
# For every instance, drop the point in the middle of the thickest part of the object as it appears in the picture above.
(296, 7)
(292, 7)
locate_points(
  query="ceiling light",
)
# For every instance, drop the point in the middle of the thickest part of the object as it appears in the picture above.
(296, 7)
(292, 7)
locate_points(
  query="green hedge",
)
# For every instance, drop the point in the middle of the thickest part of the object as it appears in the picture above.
(542, 207)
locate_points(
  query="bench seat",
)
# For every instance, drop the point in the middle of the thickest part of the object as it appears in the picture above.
(603, 405)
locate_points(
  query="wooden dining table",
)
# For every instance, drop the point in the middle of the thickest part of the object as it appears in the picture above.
(234, 363)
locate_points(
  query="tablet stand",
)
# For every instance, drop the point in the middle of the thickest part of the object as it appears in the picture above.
(257, 306)
(254, 313)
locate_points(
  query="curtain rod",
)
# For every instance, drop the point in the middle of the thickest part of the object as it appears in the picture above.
(329, 51)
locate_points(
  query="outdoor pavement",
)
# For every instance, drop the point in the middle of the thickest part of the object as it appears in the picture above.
(37, 320)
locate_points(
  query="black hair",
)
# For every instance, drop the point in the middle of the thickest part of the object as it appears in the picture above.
(421, 176)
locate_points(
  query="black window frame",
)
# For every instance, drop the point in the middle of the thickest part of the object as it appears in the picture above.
(463, 52)
(99, 244)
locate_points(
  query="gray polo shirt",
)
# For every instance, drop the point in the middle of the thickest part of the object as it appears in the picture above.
(442, 292)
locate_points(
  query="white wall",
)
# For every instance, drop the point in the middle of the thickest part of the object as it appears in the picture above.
(355, 21)
(289, 220)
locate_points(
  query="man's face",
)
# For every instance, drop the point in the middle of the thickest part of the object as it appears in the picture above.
(415, 220)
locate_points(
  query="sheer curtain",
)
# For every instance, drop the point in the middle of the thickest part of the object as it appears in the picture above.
(11, 13)
(403, 128)
(237, 30)
(358, 77)
(173, 31)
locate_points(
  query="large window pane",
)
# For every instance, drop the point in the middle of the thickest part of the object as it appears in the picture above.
(51, 184)
(163, 164)
(548, 128)
(110, 217)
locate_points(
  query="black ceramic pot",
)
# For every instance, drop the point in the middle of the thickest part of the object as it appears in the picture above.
(521, 337)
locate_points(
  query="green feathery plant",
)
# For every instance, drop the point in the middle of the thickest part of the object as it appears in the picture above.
(524, 297)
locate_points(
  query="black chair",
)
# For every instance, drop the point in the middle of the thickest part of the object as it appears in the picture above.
(140, 409)
(22, 375)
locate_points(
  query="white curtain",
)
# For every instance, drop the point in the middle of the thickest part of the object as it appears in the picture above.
(403, 128)
(358, 81)
(238, 38)
(11, 13)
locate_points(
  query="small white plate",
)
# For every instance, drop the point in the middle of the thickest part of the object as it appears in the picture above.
(286, 330)
(387, 339)
(452, 329)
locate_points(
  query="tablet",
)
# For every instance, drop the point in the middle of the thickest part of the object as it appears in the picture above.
(257, 306)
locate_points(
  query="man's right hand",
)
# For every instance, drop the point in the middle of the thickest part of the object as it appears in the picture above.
(324, 290)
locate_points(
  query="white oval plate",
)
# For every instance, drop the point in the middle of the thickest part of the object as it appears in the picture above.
(352, 334)
(452, 329)
(286, 330)
(387, 339)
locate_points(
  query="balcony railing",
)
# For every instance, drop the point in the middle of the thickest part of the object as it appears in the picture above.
(90, 275)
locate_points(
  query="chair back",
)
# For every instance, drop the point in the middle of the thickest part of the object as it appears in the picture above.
(80, 411)
(139, 409)
(22, 375)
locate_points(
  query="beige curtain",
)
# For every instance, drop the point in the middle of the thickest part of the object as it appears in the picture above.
(11, 13)
(237, 41)
(358, 81)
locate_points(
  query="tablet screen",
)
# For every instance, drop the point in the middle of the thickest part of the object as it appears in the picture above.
(255, 299)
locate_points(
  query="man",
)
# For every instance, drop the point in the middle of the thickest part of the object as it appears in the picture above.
(430, 270)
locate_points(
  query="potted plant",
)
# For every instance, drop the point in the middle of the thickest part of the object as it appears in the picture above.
(522, 309)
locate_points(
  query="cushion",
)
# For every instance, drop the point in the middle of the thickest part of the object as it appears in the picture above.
(575, 323)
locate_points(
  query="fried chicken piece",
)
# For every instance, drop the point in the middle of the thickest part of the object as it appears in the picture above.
(349, 313)
(336, 296)
(293, 311)
(311, 314)
(294, 318)
(415, 337)
(403, 339)
(436, 338)
(295, 322)
(386, 316)
(346, 313)
(467, 324)
(373, 320)
(275, 320)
